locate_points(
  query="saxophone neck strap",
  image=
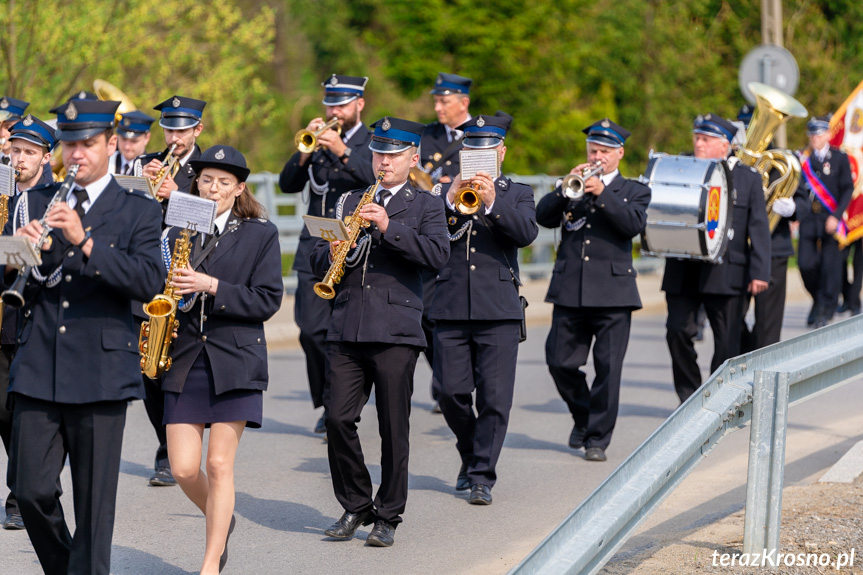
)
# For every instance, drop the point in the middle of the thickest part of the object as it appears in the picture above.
(212, 244)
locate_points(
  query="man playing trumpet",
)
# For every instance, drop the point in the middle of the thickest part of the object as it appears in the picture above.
(593, 286)
(341, 163)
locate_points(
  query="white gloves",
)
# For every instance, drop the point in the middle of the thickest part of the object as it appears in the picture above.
(784, 207)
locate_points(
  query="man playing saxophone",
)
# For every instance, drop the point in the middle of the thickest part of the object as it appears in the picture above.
(77, 365)
(375, 334)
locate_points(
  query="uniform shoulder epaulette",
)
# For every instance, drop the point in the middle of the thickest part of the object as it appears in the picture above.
(44, 187)
(260, 221)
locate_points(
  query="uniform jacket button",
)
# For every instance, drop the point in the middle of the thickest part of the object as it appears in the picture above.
(110, 245)
(587, 226)
(65, 304)
(98, 273)
(259, 340)
(497, 216)
(70, 254)
(587, 242)
(587, 258)
(398, 238)
(68, 278)
(473, 250)
(204, 338)
(473, 233)
(222, 308)
(472, 268)
(62, 329)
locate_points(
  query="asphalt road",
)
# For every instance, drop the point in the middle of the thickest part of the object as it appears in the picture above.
(285, 500)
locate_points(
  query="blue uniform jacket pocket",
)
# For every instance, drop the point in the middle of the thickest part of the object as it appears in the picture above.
(406, 313)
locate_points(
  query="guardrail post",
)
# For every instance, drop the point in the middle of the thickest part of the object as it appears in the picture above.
(766, 462)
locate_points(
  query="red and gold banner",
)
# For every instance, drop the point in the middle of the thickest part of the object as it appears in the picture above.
(846, 127)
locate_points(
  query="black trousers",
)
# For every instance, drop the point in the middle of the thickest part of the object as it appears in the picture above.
(573, 330)
(769, 310)
(43, 434)
(312, 314)
(353, 369)
(725, 315)
(429, 279)
(851, 289)
(481, 356)
(819, 260)
(7, 352)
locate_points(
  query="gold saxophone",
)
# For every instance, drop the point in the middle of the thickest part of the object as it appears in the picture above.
(355, 223)
(156, 336)
(774, 108)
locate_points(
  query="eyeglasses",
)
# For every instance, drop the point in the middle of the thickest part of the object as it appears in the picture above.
(206, 183)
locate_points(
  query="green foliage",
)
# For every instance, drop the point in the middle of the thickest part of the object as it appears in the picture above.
(556, 66)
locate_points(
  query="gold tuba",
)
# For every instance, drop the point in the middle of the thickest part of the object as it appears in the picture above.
(108, 91)
(307, 141)
(773, 109)
(355, 223)
(157, 333)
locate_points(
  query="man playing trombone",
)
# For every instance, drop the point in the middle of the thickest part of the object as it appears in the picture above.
(593, 286)
(476, 309)
(335, 161)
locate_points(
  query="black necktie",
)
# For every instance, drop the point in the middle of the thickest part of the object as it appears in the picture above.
(382, 197)
(127, 169)
(81, 195)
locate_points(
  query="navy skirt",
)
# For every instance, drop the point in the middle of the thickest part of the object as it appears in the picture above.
(198, 402)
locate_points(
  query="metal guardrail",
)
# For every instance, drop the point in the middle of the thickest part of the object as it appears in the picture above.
(287, 210)
(777, 376)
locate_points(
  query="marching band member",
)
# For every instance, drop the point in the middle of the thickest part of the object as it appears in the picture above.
(719, 287)
(593, 286)
(822, 197)
(219, 367)
(439, 156)
(11, 111)
(769, 304)
(181, 120)
(77, 364)
(342, 163)
(31, 141)
(375, 332)
(133, 135)
(476, 311)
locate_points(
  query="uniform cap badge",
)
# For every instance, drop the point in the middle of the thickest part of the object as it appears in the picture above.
(439, 80)
(708, 117)
(386, 125)
(480, 122)
(127, 122)
(220, 155)
(4, 103)
(71, 111)
(176, 102)
(82, 95)
(28, 121)
(334, 80)
(605, 124)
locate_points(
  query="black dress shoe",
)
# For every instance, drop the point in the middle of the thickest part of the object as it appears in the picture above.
(224, 558)
(163, 478)
(463, 482)
(381, 534)
(480, 494)
(576, 438)
(594, 454)
(348, 524)
(321, 426)
(13, 521)
(810, 319)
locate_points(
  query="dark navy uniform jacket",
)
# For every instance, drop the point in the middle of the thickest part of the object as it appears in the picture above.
(476, 283)
(381, 300)
(185, 174)
(434, 141)
(594, 260)
(248, 264)
(9, 331)
(748, 254)
(338, 178)
(78, 342)
(840, 183)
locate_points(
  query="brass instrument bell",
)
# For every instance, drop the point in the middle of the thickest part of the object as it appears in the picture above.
(573, 184)
(306, 141)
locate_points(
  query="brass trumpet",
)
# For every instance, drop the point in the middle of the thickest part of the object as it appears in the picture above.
(467, 200)
(573, 184)
(167, 167)
(306, 141)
